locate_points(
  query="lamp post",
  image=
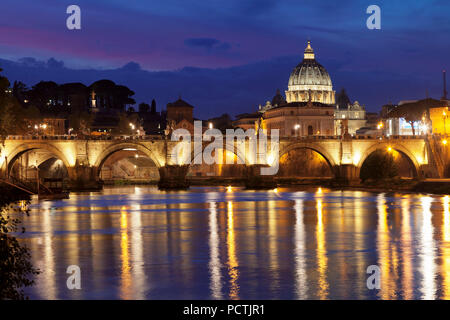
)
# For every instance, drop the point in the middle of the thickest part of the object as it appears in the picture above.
(444, 115)
(37, 178)
(6, 167)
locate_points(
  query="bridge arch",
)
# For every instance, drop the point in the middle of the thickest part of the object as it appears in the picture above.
(17, 152)
(104, 155)
(397, 147)
(237, 152)
(314, 147)
(221, 170)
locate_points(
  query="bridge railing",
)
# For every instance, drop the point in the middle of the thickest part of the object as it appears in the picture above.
(160, 137)
(356, 137)
(73, 137)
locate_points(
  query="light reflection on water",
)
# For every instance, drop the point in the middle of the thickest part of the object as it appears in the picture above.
(207, 243)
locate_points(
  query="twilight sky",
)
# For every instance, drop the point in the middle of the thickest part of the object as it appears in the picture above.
(229, 56)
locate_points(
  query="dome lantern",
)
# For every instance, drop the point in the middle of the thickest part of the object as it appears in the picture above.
(309, 52)
(310, 80)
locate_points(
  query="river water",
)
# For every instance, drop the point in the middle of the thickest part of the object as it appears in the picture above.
(228, 243)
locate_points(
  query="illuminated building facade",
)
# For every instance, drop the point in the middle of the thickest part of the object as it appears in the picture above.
(310, 102)
(180, 116)
(440, 120)
(349, 117)
(310, 81)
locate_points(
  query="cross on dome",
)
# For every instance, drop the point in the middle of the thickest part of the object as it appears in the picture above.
(309, 52)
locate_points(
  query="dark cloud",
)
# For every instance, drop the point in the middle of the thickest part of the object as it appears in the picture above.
(132, 66)
(207, 43)
(236, 90)
(31, 62)
(55, 64)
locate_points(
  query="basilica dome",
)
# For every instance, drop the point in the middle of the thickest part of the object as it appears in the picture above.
(309, 72)
(310, 81)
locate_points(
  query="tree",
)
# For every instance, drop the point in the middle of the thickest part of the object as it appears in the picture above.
(44, 94)
(19, 91)
(16, 268)
(380, 165)
(415, 111)
(110, 95)
(10, 116)
(7, 120)
(123, 96)
(153, 108)
(144, 108)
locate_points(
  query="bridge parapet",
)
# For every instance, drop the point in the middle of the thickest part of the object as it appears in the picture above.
(84, 157)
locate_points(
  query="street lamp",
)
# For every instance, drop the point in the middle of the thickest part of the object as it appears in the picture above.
(210, 125)
(296, 127)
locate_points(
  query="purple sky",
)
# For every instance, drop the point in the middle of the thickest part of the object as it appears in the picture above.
(263, 37)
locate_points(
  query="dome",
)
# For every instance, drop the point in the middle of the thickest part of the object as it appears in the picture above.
(309, 71)
(310, 80)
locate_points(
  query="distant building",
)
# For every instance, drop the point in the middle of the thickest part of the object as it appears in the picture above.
(246, 121)
(348, 117)
(373, 119)
(222, 123)
(55, 126)
(399, 126)
(301, 119)
(310, 81)
(309, 106)
(440, 120)
(153, 122)
(179, 115)
(49, 126)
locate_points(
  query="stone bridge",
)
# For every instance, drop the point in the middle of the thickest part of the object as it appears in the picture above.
(84, 158)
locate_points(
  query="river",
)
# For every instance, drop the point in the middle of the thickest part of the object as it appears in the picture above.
(136, 242)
